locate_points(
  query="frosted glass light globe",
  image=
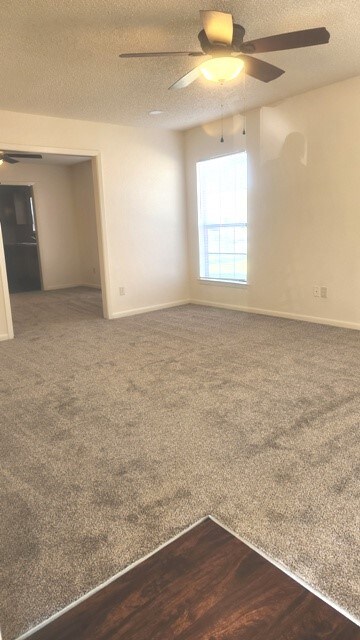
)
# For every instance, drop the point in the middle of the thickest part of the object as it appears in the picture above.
(221, 69)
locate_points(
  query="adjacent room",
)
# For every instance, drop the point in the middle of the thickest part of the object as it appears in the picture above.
(49, 235)
(179, 320)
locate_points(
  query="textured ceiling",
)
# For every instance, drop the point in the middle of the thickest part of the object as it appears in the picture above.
(61, 58)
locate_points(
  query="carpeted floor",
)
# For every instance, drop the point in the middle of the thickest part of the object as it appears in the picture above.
(116, 435)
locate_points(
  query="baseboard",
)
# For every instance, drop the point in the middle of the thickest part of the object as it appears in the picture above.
(55, 287)
(5, 336)
(280, 314)
(91, 285)
(72, 286)
(155, 307)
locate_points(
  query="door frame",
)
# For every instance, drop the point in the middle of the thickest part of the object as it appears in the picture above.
(5, 290)
(95, 158)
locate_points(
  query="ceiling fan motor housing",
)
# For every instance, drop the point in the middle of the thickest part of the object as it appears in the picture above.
(220, 49)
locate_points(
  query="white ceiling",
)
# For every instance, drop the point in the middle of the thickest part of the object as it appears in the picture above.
(61, 58)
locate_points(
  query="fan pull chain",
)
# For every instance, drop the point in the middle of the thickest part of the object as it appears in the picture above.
(222, 123)
(222, 112)
(244, 104)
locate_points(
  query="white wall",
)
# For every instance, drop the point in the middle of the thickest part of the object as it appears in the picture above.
(85, 215)
(55, 218)
(142, 192)
(304, 204)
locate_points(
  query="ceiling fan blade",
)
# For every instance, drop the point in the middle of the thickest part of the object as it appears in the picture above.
(156, 54)
(9, 159)
(187, 79)
(36, 156)
(293, 40)
(218, 26)
(260, 69)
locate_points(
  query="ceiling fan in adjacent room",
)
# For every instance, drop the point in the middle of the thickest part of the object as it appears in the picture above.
(223, 41)
(13, 158)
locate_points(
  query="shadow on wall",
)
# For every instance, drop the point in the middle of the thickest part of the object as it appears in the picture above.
(283, 225)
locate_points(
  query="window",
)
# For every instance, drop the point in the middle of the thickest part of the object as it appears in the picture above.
(222, 218)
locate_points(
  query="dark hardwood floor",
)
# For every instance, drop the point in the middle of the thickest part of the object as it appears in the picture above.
(206, 585)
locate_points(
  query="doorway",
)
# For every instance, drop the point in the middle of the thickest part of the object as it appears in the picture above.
(55, 242)
(17, 219)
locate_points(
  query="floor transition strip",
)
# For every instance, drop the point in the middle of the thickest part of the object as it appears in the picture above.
(205, 584)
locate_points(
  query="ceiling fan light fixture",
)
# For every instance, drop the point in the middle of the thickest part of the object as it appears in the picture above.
(221, 69)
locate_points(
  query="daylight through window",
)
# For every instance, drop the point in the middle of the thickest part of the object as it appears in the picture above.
(222, 217)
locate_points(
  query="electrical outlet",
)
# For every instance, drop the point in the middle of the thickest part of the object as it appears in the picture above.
(316, 291)
(323, 292)
(122, 291)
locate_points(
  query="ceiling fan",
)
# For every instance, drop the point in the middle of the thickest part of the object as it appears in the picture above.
(11, 158)
(223, 40)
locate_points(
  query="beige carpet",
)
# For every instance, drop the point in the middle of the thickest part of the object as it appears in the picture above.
(116, 435)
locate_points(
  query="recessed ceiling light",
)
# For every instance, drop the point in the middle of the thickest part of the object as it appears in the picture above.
(156, 112)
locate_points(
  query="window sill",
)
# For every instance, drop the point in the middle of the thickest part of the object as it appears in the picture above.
(223, 283)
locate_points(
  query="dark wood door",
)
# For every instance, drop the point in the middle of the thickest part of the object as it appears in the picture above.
(19, 237)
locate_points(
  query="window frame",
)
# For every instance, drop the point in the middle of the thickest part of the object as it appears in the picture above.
(209, 279)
